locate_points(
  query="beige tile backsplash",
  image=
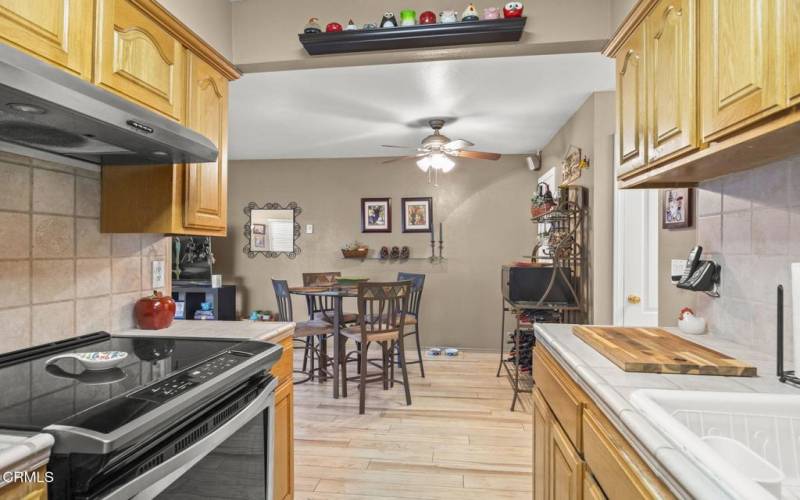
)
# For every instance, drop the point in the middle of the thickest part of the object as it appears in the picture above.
(750, 223)
(59, 275)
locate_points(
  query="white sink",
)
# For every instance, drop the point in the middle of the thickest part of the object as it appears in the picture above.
(767, 425)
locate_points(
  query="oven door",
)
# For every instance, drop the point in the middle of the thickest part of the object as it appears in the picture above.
(235, 460)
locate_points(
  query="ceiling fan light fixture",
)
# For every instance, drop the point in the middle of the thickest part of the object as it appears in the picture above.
(441, 162)
(424, 163)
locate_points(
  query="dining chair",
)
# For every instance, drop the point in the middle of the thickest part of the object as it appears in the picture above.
(321, 308)
(412, 313)
(382, 313)
(304, 332)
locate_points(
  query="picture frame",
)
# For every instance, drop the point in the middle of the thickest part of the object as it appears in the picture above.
(676, 208)
(259, 229)
(571, 165)
(376, 215)
(180, 309)
(417, 214)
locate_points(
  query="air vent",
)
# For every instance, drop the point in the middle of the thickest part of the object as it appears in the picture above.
(153, 462)
(191, 438)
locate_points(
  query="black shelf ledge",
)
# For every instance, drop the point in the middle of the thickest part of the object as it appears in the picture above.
(414, 37)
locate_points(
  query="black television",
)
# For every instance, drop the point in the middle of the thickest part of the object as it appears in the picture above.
(191, 260)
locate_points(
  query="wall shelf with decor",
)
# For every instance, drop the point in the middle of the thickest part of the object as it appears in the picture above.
(414, 37)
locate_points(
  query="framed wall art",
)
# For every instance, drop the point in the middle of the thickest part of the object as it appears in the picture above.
(417, 215)
(676, 208)
(376, 215)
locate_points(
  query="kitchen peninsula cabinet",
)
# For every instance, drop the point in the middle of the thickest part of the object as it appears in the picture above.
(720, 89)
(284, 425)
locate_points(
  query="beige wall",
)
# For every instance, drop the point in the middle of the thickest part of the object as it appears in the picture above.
(211, 19)
(60, 277)
(673, 244)
(265, 34)
(484, 207)
(591, 129)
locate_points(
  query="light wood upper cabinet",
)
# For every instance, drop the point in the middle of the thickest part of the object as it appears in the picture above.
(670, 50)
(592, 490)
(207, 112)
(792, 26)
(139, 59)
(742, 64)
(631, 138)
(58, 31)
(566, 467)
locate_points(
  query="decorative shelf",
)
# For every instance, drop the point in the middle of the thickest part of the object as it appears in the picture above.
(414, 37)
(434, 260)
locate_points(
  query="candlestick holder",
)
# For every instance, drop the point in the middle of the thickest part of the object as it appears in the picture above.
(441, 246)
(433, 251)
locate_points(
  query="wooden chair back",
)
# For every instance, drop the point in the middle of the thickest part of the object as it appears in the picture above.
(382, 307)
(415, 297)
(284, 299)
(315, 279)
(320, 304)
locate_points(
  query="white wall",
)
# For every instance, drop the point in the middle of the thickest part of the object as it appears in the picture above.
(211, 19)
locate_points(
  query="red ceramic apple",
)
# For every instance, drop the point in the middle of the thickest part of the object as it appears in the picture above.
(427, 17)
(512, 9)
(333, 28)
(154, 312)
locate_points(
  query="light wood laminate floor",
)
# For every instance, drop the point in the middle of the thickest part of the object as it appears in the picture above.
(457, 440)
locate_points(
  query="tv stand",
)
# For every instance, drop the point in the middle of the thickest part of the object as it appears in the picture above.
(223, 299)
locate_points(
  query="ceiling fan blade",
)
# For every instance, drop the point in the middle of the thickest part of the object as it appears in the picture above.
(457, 144)
(478, 155)
(392, 160)
(401, 147)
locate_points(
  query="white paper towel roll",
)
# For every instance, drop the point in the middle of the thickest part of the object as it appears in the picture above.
(796, 317)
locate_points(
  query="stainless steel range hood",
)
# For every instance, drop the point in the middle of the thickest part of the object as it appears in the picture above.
(47, 109)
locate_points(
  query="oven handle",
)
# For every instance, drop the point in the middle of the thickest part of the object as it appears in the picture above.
(157, 479)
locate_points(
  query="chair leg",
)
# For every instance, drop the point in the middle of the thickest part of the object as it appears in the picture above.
(358, 357)
(404, 369)
(312, 339)
(391, 363)
(362, 387)
(306, 350)
(385, 353)
(419, 351)
(343, 363)
(323, 358)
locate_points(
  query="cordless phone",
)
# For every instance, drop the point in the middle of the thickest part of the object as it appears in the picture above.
(691, 264)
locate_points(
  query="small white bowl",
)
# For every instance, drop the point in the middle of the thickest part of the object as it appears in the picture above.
(102, 360)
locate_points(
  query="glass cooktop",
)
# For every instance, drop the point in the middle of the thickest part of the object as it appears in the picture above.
(35, 394)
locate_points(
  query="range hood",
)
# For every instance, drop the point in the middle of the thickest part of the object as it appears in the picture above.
(46, 109)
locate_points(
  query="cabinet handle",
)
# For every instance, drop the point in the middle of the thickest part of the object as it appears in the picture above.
(664, 16)
(631, 54)
(634, 299)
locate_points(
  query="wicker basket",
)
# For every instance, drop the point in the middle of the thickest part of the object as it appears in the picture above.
(358, 253)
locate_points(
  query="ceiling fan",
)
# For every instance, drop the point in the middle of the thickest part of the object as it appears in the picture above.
(435, 151)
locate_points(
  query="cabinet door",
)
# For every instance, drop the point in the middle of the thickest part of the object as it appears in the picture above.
(591, 490)
(284, 442)
(671, 58)
(741, 64)
(541, 439)
(58, 31)
(138, 58)
(566, 468)
(631, 138)
(207, 183)
(792, 23)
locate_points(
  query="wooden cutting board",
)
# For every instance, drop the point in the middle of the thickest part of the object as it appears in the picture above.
(654, 350)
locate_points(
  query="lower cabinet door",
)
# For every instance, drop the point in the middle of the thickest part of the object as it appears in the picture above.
(284, 442)
(541, 442)
(566, 467)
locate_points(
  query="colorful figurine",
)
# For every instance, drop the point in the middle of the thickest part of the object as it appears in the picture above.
(333, 28)
(491, 13)
(470, 14)
(351, 26)
(448, 17)
(388, 21)
(427, 17)
(512, 9)
(369, 26)
(312, 26)
(408, 17)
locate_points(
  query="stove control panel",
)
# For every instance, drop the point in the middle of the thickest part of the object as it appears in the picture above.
(177, 384)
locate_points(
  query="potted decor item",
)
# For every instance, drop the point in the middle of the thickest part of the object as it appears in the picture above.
(427, 17)
(154, 312)
(408, 17)
(513, 9)
(312, 26)
(448, 17)
(388, 20)
(333, 28)
(491, 13)
(470, 14)
(351, 26)
(543, 202)
(355, 250)
(691, 324)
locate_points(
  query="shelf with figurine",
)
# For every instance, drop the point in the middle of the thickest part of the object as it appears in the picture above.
(414, 32)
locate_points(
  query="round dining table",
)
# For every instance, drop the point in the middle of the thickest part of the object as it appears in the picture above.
(338, 293)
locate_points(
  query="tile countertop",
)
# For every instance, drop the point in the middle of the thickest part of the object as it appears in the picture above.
(268, 331)
(611, 388)
(23, 453)
(27, 452)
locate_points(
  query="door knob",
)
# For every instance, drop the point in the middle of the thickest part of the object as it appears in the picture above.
(634, 299)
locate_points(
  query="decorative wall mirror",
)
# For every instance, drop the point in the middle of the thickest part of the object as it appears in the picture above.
(272, 230)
